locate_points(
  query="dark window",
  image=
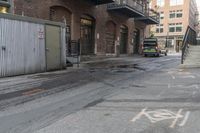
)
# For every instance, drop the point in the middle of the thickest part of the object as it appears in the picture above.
(178, 29)
(171, 29)
(172, 15)
(161, 30)
(157, 30)
(179, 15)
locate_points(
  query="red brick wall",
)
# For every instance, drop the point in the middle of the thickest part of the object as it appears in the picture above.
(41, 9)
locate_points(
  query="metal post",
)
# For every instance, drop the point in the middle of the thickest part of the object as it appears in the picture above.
(79, 53)
(166, 43)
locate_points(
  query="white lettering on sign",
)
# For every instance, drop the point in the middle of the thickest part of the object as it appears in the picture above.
(162, 114)
(41, 34)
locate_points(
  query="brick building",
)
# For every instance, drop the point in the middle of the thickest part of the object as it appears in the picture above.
(175, 17)
(104, 27)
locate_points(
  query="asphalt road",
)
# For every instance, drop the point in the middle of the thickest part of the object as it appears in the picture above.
(124, 95)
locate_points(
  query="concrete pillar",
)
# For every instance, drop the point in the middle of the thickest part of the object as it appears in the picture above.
(75, 27)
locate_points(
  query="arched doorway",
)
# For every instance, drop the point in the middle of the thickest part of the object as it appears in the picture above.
(110, 37)
(62, 14)
(87, 35)
(136, 41)
(123, 39)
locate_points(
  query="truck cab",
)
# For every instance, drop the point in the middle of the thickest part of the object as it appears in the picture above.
(150, 47)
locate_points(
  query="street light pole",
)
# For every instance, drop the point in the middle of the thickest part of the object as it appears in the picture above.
(166, 44)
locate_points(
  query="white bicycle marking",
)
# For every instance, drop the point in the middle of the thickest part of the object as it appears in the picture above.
(162, 114)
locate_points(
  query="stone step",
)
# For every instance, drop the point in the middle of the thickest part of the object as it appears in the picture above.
(190, 66)
(193, 58)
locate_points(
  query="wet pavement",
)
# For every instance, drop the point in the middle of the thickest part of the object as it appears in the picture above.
(121, 95)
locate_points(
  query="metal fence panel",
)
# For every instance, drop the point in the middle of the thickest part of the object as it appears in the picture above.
(22, 48)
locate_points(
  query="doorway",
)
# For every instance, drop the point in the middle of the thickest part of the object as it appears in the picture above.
(87, 35)
(53, 51)
(123, 39)
(62, 14)
(110, 37)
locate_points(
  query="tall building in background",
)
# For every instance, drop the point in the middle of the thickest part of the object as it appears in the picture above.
(175, 17)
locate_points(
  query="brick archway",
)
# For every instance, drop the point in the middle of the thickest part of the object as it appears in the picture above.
(60, 14)
(87, 34)
(110, 37)
(123, 39)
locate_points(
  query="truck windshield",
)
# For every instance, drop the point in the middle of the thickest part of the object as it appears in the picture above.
(150, 43)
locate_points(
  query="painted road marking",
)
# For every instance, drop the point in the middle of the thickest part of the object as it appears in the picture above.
(162, 115)
(188, 76)
(185, 119)
(195, 86)
(173, 77)
(178, 115)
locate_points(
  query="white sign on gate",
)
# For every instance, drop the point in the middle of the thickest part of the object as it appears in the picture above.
(41, 34)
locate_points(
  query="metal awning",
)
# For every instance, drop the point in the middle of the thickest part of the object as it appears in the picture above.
(99, 2)
(4, 3)
(148, 20)
(125, 9)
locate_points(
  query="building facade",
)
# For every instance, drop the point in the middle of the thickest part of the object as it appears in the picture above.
(175, 17)
(104, 27)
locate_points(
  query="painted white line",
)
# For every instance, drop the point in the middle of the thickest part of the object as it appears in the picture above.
(186, 87)
(189, 76)
(162, 115)
(169, 86)
(185, 119)
(139, 115)
(178, 115)
(173, 77)
(194, 92)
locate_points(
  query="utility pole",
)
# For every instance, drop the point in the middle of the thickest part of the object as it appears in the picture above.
(166, 43)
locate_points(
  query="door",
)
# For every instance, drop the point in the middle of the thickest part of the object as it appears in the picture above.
(110, 37)
(123, 40)
(53, 48)
(87, 37)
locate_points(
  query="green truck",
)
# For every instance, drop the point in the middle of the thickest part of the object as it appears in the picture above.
(152, 48)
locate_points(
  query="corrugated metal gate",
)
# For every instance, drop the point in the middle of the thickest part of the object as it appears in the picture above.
(23, 46)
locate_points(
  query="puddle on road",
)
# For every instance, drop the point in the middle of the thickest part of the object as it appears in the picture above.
(125, 68)
(32, 92)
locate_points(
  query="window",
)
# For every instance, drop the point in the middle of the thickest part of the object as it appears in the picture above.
(162, 15)
(160, 28)
(176, 2)
(179, 14)
(157, 30)
(178, 27)
(176, 14)
(172, 14)
(172, 28)
(160, 3)
(4, 6)
(3, 9)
